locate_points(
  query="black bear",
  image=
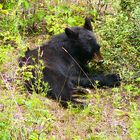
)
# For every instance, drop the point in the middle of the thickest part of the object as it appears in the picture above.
(65, 58)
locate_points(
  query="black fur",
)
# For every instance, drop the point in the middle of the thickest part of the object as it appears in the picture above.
(65, 57)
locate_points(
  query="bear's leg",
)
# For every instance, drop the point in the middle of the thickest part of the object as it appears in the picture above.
(61, 88)
(110, 80)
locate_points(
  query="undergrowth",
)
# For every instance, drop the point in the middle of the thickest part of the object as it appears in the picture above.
(110, 113)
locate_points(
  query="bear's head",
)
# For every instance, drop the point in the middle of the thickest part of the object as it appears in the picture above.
(85, 42)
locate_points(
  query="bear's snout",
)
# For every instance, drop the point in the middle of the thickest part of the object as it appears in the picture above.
(98, 57)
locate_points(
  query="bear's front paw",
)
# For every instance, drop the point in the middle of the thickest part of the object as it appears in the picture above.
(113, 80)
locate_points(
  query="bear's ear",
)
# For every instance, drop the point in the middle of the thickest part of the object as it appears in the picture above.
(88, 24)
(27, 51)
(71, 34)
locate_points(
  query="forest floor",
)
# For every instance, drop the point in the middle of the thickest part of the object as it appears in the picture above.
(109, 113)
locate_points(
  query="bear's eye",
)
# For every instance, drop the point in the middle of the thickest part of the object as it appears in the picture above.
(89, 37)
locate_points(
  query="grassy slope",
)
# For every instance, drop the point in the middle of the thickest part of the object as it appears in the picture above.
(110, 114)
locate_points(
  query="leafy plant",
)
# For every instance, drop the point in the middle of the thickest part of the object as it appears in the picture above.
(35, 80)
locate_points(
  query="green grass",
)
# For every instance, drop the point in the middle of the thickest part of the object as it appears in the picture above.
(110, 114)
